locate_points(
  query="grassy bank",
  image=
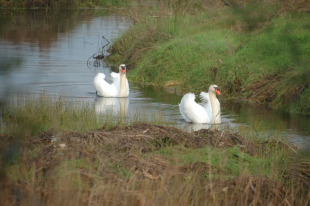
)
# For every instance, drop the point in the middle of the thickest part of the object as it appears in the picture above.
(252, 53)
(51, 151)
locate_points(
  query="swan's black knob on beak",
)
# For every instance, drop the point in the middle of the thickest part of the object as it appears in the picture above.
(123, 69)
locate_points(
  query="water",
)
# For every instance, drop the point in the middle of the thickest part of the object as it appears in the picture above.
(47, 52)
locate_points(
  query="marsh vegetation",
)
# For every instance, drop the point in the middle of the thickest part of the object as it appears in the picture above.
(51, 151)
(57, 152)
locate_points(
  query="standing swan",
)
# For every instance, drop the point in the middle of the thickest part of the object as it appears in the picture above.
(208, 111)
(119, 86)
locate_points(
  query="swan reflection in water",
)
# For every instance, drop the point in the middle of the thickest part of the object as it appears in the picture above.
(226, 123)
(196, 127)
(110, 105)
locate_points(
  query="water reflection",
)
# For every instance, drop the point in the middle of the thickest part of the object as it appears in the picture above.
(189, 127)
(40, 27)
(111, 106)
(268, 119)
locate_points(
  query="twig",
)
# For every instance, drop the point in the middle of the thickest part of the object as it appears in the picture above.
(98, 55)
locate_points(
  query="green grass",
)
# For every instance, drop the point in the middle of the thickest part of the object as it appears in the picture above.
(266, 64)
(185, 59)
(231, 161)
(32, 115)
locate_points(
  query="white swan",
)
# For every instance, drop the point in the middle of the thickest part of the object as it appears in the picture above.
(118, 88)
(208, 111)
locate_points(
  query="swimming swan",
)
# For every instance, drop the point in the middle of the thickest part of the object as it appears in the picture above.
(118, 88)
(208, 111)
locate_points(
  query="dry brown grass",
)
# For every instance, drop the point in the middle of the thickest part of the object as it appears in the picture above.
(112, 167)
(271, 91)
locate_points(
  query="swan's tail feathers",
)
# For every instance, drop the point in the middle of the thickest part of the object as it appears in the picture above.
(204, 97)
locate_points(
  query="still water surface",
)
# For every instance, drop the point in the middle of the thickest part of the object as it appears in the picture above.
(44, 51)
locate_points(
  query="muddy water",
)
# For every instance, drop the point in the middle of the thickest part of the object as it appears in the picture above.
(50, 52)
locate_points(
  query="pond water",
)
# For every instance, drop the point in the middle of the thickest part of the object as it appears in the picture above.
(51, 53)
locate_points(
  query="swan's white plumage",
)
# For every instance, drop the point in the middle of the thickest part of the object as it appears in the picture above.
(116, 82)
(206, 103)
(104, 89)
(191, 111)
(114, 75)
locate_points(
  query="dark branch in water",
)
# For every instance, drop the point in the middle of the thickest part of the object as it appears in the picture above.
(95, 59)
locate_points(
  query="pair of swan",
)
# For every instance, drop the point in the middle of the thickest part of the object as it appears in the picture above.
(119, 86)
(206, 112)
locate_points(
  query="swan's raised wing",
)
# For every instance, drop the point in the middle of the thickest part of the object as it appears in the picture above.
(206, 103)
(205, 98)
(103, 88)
(115, 80)
(183, 115)
(191, 111)
(114, 75)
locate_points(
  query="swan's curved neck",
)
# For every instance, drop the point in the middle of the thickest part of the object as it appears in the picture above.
(216, 112)
(122, 90)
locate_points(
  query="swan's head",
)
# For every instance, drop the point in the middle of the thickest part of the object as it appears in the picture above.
(122, 69)
(215, 89)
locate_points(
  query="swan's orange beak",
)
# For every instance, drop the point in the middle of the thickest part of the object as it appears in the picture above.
(124, 70)
(217, 91)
